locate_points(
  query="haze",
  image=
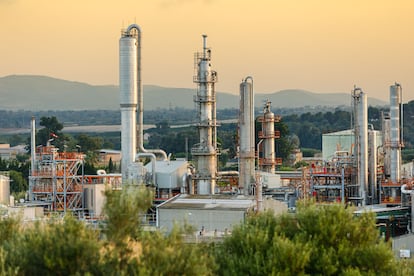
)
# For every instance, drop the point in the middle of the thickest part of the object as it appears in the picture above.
(322, 46)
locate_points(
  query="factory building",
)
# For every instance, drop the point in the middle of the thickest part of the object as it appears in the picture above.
(207, 214)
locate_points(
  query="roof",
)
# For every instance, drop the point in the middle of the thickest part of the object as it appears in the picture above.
(208, 202)
(166, 166)
(342, 132)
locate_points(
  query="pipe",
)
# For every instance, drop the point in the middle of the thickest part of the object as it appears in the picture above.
(140, 136)
(204, 46)
(154, 160)
(33, 145)
(401, 117)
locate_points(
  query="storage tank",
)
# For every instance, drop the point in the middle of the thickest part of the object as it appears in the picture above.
(4, 189)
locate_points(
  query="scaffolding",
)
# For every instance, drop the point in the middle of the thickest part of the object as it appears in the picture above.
(335, 181)
(55, 182)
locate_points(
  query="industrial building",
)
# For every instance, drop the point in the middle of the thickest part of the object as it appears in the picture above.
(208, 214)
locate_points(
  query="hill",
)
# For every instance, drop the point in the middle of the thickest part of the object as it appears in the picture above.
(27, 92)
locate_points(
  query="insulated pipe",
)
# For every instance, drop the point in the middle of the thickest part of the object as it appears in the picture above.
(140, 136)
(154, 160)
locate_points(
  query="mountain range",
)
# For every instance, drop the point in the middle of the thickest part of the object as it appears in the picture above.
(30, 92)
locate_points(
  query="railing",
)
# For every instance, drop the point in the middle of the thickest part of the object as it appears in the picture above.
(264, 119)
(391, 200)
(264, 135)
(270, 161)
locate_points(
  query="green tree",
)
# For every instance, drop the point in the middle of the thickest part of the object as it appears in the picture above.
(66, 247)
(51, 130)
(317, 240)
(18, 182)
(130, 250)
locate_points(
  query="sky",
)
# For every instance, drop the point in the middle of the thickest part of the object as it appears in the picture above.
(323, 46)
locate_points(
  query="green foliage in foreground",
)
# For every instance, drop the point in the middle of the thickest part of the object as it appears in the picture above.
(317, 240)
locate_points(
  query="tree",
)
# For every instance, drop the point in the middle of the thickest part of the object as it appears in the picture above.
(51, 130)
(130, 250)
(65, 247)
(18, 182)
(317, 240)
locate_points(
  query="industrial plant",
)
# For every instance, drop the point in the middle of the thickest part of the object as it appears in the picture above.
(360, 166)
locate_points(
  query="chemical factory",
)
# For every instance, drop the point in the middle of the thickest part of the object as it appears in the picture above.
(360, 166)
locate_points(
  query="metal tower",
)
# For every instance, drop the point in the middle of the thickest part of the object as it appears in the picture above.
(205, 152)
(246, 136)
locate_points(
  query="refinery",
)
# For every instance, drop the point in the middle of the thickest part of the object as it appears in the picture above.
(361, 166)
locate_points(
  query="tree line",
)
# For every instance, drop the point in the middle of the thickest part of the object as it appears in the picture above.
(316, 240)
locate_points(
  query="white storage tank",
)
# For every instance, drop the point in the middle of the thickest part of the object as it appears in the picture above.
(4, 190)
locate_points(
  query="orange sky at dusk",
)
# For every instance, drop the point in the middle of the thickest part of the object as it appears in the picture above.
(323, 46)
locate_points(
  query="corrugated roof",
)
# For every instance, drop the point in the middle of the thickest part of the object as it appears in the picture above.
(211, 202)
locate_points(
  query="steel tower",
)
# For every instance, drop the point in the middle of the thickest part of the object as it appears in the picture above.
(205, 152)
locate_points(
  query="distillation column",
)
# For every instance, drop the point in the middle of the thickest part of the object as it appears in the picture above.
(268, 135)
(128, 56)
(361, 143)
(205, 152)
(246, 136)
(395, 139)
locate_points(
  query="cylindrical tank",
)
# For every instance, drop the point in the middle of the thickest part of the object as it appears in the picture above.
(128, 100)
(4, 190)
(246, 136)
(128, 70)
(395, 101)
